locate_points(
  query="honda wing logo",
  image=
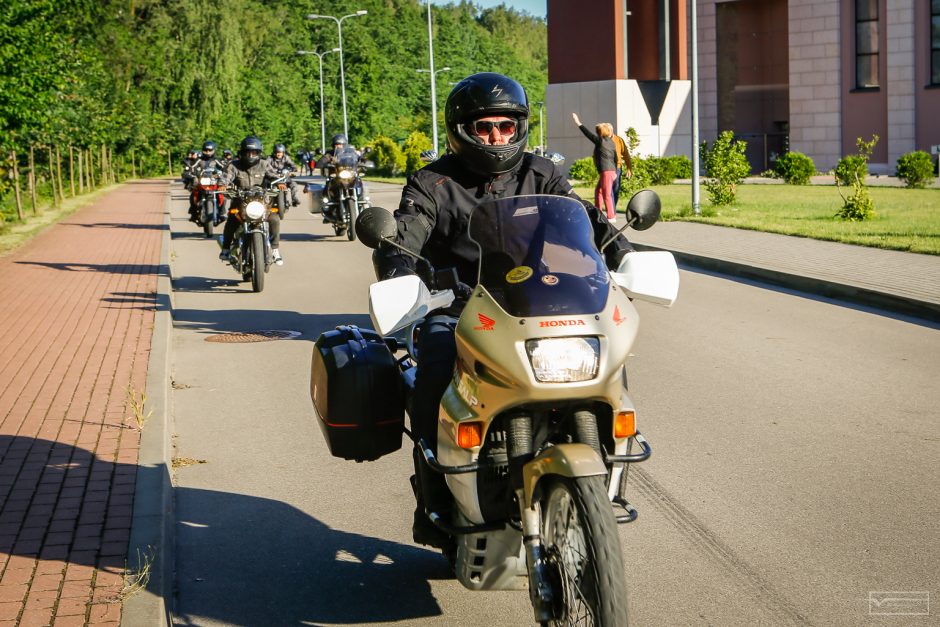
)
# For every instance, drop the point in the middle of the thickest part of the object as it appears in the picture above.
(486, 323)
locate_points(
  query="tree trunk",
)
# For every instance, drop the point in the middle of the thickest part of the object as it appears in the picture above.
(16, 186)
(58, 172)
(52, 179)
(169, 163)
(91, 169)
(81, 171)
(103, 165)
(32, 179)
(133, 165)
(72, 170)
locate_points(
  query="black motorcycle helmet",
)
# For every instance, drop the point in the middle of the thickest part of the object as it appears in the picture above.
(227, 153)
(250, 150)
(280, 148)
(208, 150)
(339, 140)
(192, 154)
(479, 96)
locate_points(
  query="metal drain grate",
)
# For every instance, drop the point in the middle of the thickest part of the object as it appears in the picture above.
(239, 337)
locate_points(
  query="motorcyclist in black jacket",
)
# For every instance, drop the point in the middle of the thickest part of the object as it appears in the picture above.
(243, 173)
(486, 116)
(191, 158)
(206, 160)
(279, 161)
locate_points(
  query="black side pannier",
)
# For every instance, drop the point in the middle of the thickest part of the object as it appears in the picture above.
(357, 393)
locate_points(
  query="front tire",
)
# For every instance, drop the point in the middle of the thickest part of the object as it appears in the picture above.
(352, 206)
(257, 261)
(208, 218)
(579, 533)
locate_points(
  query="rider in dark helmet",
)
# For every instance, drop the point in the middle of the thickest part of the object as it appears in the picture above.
(280, 162)
(227, 156)
(245, 172)
(326, 162)
(487, 121)
(190, 160)
(206, 160)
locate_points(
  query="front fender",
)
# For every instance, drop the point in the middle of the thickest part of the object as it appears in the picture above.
(566, 460)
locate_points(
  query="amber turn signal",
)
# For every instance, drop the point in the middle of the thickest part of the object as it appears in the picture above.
(625, 423)
(469, 434)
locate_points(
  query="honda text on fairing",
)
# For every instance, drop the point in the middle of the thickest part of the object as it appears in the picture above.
(536, 428)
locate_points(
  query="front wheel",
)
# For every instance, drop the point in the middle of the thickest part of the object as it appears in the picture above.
(257, 261)
(579, 533)
(208, 217)
(353, 211)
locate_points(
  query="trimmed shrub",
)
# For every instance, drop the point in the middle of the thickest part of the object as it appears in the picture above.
(584, 170)
(680, 166)
(849, 168)
(794, 168)
(388, 157)
(726, 166)
(915, 169)
(415, 144)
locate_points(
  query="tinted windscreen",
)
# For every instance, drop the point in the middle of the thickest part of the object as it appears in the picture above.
(347, 159)
(537, 256)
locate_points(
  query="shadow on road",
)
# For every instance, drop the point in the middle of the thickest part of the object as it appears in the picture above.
(260, 561)
(243, 320)
(255, 561)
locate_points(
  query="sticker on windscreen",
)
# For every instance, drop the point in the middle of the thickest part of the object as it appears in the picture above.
(525, 211)
(550, 279)
(519, 274)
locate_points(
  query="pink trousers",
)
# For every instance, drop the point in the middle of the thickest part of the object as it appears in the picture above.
(604, 191)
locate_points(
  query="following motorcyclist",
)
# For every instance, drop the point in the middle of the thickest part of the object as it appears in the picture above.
(328, 161)
(486, 116)
(206, 160)
(191, 158)
(280, 162)
(246, 172)
(227, 156)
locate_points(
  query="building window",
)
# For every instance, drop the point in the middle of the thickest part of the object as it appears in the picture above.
(866, 43)
(935, 42)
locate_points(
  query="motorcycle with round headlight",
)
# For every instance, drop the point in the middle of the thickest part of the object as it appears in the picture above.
(209, 199)
(250, 251)
(345, 192)
(536, 429)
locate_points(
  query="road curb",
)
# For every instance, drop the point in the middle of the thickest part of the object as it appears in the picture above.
(151, 529)
(820, 287)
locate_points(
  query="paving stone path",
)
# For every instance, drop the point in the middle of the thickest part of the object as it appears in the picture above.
(76, 315)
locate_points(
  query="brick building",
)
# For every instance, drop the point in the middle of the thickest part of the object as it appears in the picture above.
(809, 74)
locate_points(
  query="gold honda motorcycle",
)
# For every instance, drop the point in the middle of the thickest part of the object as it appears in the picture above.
(536, 427)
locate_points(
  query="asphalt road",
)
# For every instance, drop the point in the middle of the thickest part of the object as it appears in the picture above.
(795, 468)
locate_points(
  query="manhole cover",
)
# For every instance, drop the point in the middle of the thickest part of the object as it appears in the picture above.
(245, 337)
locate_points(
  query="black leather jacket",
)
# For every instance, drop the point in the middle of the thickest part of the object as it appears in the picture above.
(435, 211)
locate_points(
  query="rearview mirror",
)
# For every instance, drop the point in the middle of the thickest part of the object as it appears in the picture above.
(375, 224)
(643, 210)
(428, 156)
(556, 157)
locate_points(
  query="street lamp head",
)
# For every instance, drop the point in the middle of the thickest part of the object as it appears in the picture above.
(314, 16)
(361, 12)
(336, 50)
(444, 69)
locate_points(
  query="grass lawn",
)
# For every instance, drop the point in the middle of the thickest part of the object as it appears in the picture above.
(906, 219)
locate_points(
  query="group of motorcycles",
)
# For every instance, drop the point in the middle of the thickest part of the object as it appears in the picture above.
(339, 200)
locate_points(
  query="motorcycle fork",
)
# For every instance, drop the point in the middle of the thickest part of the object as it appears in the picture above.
(520, 448)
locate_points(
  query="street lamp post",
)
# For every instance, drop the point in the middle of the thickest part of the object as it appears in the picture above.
(320, 56)
(342, 74)
(433, 73)
(541, 128)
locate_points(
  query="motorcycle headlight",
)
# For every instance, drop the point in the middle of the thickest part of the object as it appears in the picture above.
(346, 175)
(254, 210)
(564, 359)
(205, 180)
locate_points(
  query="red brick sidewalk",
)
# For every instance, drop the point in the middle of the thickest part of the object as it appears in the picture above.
(76, 318)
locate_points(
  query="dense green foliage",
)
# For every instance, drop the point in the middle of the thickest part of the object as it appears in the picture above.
(160, 76)
(388, 158)
(794, 168)
(915, 169)
(726, 165)
(584, 170)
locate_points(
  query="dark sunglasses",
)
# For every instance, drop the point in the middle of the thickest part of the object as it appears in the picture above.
(483, 128)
